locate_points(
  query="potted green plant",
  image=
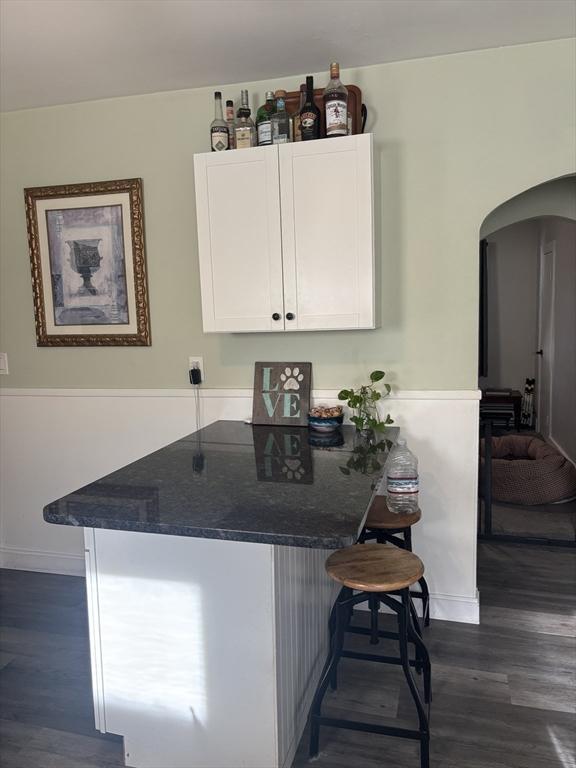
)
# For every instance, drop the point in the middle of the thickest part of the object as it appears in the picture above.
(363, 402)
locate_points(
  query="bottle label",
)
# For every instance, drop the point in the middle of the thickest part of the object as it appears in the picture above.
(265, 132)
(296, 128)
(402, 485)
(308, 119)
(336, 118)
(220, 138)
(243, 138)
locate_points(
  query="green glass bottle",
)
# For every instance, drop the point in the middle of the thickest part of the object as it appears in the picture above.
(263, 121)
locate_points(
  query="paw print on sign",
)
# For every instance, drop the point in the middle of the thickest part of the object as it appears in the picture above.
(293, 468)
(291, 378)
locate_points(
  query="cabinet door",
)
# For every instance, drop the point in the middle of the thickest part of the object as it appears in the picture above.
(327, 233)
(239, 241)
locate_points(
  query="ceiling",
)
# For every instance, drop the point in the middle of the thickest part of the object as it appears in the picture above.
(64, 51)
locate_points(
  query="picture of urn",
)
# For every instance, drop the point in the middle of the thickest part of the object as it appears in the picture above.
(85, 259)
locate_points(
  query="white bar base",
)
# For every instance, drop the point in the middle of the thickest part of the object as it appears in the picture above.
(205, 653)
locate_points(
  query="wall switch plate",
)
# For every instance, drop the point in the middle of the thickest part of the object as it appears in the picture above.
(196, 361)
(3, 362)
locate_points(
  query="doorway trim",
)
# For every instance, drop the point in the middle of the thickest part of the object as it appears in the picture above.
(546, 302)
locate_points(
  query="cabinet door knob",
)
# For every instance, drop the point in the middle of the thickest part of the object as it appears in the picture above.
(289, 316)
(275, 316)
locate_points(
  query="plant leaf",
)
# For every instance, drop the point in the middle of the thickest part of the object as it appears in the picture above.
(344, 394)
(377, 375)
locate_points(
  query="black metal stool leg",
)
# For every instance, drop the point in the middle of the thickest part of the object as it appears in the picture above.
(403, 624)
(374, 605)
(425, 601)
(422, 655)
(408, 539)
(327, 675)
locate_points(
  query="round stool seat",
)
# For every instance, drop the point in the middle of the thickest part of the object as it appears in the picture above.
(375, 567)
(379, 516)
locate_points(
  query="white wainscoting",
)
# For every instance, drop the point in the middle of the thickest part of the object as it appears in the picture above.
(54, 441)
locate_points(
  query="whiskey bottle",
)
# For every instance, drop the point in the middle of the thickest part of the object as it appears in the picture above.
(245, 129)
(219, 135)
(263, 124)
(280, 120)
(310, 114)
(336, 104)
(295, 119)
(230, 122)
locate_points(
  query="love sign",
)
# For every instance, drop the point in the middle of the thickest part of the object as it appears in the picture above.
(281, 393)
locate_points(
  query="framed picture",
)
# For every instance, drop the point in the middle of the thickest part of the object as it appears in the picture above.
(281, 394)
(86, 246)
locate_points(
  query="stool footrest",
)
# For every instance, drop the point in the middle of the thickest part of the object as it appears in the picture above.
(385, 730)
(376, 657)
(367, 631)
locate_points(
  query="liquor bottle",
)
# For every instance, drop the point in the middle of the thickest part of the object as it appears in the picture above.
(336, 104)
(230, 122)
(263, 124)
(310, 114)
(280, 120)
(219, 135)
(245, 130)
(295, 119)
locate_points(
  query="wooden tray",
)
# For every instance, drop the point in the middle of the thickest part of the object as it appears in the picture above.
(354, 106)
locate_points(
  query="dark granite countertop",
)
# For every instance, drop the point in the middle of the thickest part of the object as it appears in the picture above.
(230, 480)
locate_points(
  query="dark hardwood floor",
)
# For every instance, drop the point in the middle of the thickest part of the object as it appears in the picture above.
(504, 691)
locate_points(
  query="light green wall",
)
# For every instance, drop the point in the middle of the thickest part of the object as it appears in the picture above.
(455, 136)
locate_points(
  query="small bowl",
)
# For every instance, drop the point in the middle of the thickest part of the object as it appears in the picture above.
(325, 423)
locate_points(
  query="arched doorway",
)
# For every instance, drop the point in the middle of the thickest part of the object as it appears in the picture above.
(527, 341)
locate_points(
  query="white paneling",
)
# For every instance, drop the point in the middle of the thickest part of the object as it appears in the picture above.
(304, 597)
(238, 211)
(187, 649)
(94, 630)
(327, 233)
(91, 433)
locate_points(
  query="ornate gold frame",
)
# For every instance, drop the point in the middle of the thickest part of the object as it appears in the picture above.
(134, 189)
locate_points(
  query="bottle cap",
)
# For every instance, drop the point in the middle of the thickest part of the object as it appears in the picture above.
(269, 95)
(334, 70)
(217, 95)
(229, 103)
(309, 83)
(244, 97)
(280, 94)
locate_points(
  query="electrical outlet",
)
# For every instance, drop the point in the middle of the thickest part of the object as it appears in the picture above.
(195, 361)
(3, 362)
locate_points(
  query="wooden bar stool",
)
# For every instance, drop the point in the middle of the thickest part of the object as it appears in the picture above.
(379, 573)
(386, 526)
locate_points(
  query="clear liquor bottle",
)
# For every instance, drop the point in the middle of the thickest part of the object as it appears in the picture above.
(280, 120)
(263, 120)
(336, 104)
(219, 134)
(310, 114)
(245, 129)
(230, 122)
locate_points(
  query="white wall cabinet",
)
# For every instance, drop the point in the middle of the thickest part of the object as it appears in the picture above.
(286, 236)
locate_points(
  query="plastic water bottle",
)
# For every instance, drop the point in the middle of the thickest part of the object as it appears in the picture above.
(402, 479)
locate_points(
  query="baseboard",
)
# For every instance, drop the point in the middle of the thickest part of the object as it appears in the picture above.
(44, 562)
(465, 610)
(558, 447)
